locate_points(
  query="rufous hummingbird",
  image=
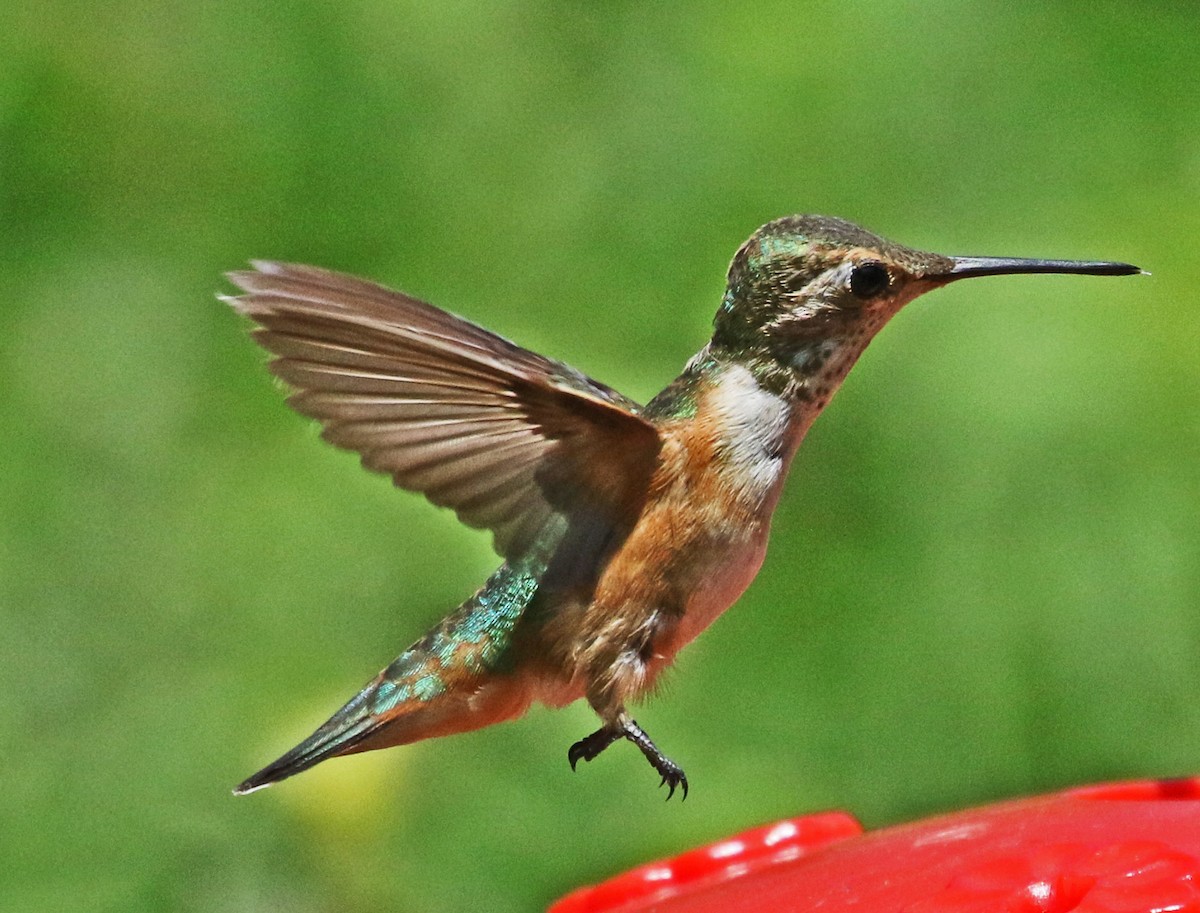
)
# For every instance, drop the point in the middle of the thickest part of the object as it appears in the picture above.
(625, 529)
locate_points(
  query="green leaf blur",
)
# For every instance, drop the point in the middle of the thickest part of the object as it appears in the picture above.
(984, 574)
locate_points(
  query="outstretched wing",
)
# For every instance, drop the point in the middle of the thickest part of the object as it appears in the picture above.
(499, 434)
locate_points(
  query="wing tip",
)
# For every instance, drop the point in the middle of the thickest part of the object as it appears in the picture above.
(258, 278)
(270, 267)
(239, 303)
(255, 279)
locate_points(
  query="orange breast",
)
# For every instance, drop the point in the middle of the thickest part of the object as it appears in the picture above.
(702, 535)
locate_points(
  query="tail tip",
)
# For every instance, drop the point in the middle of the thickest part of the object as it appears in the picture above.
(251, 785)
(268, 776)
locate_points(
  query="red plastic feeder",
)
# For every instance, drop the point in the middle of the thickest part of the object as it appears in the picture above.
(1114, 848)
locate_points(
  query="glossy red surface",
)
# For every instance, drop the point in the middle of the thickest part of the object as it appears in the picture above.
(1113, 848)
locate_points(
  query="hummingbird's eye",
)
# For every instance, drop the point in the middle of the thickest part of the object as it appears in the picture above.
(869, 279)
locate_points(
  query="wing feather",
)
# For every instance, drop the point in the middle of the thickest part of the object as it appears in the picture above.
(502, 435)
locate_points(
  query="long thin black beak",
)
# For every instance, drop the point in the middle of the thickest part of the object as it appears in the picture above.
(965, 267)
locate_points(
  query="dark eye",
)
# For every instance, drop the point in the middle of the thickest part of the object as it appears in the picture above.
(868, 280)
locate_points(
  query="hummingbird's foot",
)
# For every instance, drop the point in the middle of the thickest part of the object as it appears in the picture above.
(672, 774)
(590, 747)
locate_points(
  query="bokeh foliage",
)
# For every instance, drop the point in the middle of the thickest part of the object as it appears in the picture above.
(983, 580)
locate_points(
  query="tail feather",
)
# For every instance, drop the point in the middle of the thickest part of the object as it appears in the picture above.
(337, 736)
(453, 679)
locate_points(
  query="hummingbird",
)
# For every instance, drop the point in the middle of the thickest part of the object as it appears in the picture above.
(625, 530)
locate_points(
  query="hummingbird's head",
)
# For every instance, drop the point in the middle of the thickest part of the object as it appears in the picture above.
(801, 279)
(803, 287)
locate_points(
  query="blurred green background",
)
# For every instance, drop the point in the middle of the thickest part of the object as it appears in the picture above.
(984, 574)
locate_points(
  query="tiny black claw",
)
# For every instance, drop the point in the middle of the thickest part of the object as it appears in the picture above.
(672, 778)
(590, 746)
